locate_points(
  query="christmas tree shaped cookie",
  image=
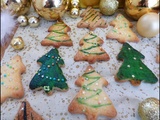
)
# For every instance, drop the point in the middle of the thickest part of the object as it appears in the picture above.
(122, 30)
(50, 75)
(58, 36)
(11, 80)
(91, 20)
(91, 50)
(91, 100)
(27, 113)
(133, 69)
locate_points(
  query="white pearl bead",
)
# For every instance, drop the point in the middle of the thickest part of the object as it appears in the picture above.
(148, 25)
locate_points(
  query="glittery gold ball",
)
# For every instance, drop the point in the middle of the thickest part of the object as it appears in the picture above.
(108, 7)
(149, 109)
(17, 7)
(22, 20)
(34, 21)
(17, 43)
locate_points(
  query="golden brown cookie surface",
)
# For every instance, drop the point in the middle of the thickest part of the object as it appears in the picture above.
(91, 20)
(27, 113)
(91, 49)
(122, 30)
(91, 100)
(11, 84)
(58, 36)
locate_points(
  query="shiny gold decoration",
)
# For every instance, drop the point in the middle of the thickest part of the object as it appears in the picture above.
(17, 7)
(50, 9)
(108, 7)
(74, 13)
(149, 109)
(136, 8)
(74, 3)
(34, 21)
(148, 25)
(92, 3)
(95, 3)
(17, 43)
(22, 20)
(74, 10)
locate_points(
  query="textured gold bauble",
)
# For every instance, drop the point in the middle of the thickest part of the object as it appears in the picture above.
(149, 109)
(34, 21)
(50, 9)
(22, 20)
(108, 7)
(136, 8)
(148, 25)
(17, 43)
(17, 7)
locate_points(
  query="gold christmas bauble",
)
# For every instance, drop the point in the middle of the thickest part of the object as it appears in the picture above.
(17, 7)
(136, 8)
(86, 3)
(17, 43)
(108, 7)
(74, 12)
(22, 20)
(50, 9)
(74, 3)
(34, 21)
(149, 109)
(148, 25)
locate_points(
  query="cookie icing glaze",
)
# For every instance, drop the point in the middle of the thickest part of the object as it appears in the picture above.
(11, 80)
(91, 99)
(91, 49)
(49, 76)
(58, 36)
(122, 30)
(91, 19)
(133, 68)
(94, 92)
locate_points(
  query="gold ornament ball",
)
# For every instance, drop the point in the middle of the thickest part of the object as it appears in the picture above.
(17, 7)
(22, 20)
(108, 7)
(148, 25)
(17, 43)
(51, 9)
(149, 109)
(74, 3)
(34, 21)
(136, 8)
(74, 13)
